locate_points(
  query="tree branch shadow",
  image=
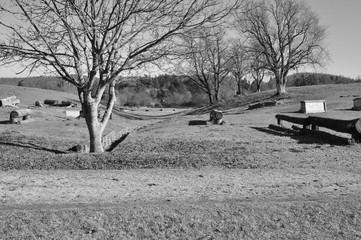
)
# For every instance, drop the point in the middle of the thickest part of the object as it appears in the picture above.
(32, 146)
(315, 137)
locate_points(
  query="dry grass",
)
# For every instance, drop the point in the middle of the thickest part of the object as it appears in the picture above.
(325, 219)
(245, 142)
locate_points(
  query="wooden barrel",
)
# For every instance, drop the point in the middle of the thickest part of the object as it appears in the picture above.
(216, 116)
(82, 148)
(38, 104)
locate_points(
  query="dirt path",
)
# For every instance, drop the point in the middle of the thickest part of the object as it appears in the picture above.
(21, 188)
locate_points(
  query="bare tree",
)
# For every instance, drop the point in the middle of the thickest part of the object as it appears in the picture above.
(206, 60)
(239, 63)
(90, 43)
(286, 33)
(257, 71)
(257, 74)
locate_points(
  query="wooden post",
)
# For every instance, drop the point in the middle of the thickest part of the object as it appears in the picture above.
(298, 120)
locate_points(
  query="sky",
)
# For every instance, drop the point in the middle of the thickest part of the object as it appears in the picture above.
(343, 21)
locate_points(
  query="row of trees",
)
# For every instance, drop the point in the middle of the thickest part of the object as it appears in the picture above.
(181, 91)
(91, 43)
(265, 38)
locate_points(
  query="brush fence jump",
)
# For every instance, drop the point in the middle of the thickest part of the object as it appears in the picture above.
(352, 127)
(313, 106)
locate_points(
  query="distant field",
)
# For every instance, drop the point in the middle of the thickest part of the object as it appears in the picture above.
(28, 96)
(169, 180)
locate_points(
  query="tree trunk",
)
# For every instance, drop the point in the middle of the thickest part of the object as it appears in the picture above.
(95, 128)
(281, 88)
(258, 83)
(216, 96)
(281, 82)
(210, 98)
(90, 107)
(239, 87)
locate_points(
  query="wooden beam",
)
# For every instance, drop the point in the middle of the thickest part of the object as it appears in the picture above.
(352, 127)
(298, 120)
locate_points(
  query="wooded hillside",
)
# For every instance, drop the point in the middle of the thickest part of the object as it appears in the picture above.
(173, 90)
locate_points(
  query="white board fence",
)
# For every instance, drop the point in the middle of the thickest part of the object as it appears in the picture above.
(113, 136)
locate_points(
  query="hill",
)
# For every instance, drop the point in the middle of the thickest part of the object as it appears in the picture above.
(169, 180)
(50, 83)
(28, 96)
(174, 90)
(307, 79)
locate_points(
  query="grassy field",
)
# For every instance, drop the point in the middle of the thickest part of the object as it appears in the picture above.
(168, 180)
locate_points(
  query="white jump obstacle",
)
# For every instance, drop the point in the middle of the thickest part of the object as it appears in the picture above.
(313, 106)
(11, 101)
(72, 113)
(112, 137)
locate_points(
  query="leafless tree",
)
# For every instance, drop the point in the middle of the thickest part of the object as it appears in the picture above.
(90, 43)
(205, 59)
(287, 33)
(257, 73)
(239, 63)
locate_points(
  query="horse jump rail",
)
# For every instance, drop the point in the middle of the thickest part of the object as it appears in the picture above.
(352, 127)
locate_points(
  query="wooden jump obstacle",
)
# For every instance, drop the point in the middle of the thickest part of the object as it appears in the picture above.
(21, 116)
(262, 105)
(110, 141)
(313, 106)
(216, 117)
(11, 101)
(55, 103)
(113, 137)
(357, 104)
(352, 127)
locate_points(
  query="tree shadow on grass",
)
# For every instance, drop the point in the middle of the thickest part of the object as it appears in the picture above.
(32, 146)
(312, 137)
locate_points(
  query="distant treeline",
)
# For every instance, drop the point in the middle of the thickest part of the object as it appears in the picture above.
(308, 79)
(160, 91)
(174, 90)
